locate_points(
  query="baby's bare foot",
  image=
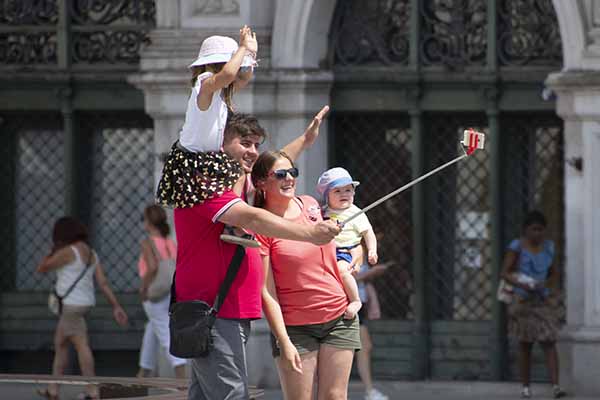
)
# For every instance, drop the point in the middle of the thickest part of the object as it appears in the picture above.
(352, 309)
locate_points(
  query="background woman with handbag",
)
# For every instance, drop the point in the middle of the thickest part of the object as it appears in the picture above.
(156, 247)
(370, 311)
(533, 315)
(72, 258)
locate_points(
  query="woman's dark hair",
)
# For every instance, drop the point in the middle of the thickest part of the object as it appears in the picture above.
(261, 170)
(68, 230)
(534, 217)
(157, 217)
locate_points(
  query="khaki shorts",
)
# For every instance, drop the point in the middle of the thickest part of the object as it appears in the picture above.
(72, 320)
(341, 333)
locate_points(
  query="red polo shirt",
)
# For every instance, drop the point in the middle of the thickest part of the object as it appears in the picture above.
(203, 259)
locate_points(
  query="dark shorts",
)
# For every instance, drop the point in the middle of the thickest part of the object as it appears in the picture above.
(343, 254)
(341, 333)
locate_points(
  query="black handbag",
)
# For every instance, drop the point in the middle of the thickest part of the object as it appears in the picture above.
(190, 322)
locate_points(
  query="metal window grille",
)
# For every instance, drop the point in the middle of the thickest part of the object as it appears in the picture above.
(116, 183)
(534, 180)
(7, 226)
(38, 196)
(459, 238)
(121, 157)
(375, 149)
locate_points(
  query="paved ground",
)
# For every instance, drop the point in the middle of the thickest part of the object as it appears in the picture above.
(395, 390)
(445, 391)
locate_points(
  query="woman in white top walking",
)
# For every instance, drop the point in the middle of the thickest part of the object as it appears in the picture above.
(70, 256)
(157, 246)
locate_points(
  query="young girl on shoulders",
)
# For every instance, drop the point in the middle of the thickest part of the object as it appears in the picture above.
(196, 168)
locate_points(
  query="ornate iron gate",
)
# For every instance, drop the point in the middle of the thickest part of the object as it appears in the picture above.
(380, 160)
(441, 67)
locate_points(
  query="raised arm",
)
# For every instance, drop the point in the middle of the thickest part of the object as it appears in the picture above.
(243, 78)
(306, 140)
(265, 223)
(56, 260)
(229, 72)
(274, 317)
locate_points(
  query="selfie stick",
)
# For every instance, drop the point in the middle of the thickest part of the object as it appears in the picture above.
(472, 139)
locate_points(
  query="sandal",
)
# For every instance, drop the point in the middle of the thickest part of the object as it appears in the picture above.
(45, 393)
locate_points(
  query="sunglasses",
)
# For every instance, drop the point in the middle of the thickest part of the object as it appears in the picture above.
(282, 173)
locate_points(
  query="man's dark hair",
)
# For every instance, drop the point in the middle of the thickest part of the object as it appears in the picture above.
(240, 124)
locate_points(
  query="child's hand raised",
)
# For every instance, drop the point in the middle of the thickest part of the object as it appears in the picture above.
(248, 40)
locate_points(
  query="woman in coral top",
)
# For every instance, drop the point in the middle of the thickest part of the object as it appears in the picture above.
(155, 247)
(303, 297)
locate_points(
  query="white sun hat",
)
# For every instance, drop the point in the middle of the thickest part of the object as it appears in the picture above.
(219, 49)
(332, 178)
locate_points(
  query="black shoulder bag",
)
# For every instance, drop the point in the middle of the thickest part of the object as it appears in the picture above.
(190, 322)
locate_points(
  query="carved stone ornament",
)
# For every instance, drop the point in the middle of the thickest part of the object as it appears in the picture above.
(371, 32)
(453, 33)
(528, 33)
(218, 7)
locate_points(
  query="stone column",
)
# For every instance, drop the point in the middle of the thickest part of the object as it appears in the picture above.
(286, 100)
(579, 105)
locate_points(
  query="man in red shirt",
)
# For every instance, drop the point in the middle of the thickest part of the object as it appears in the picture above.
(203, 259)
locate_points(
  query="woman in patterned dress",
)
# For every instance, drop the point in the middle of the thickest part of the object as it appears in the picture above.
(529, 265)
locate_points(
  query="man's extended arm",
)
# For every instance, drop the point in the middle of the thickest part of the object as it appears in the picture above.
(265, 223)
